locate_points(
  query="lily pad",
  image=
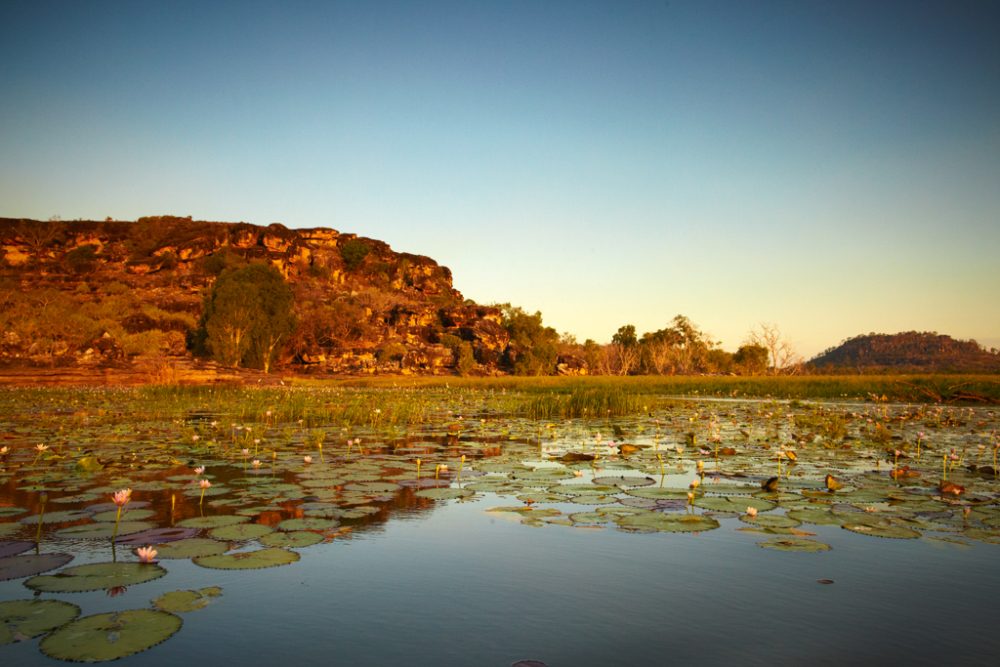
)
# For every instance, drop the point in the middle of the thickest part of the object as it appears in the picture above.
(15, 547)
(65, 516)
(293, 540)
(443, 494)
(191, 548)
(209, 522)
(770, 521)
(667, 523)
(157, 536)
(249, 560)
(241, 532)
(882, 530)
(794, 544)
(736, 504)
(308, 523)
(95, 577)
(181, 602)
(96, 531)
(110, 636)
(17, 567)
(131, 514)
(11, 511)
(26, 619)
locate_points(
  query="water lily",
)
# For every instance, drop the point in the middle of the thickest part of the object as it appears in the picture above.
(204, 484)
(146, 554)
(200, 470)
(255, 463)
(120, 498)
(307, 459)
(751, 512)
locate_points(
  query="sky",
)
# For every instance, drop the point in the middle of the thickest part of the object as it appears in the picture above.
(829, 167)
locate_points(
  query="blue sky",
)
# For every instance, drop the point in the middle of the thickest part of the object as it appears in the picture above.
(832, 167)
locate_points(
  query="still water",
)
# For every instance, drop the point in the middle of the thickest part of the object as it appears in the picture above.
(458, 586)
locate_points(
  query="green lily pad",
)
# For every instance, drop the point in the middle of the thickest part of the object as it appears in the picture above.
(818, 516)
(17, 567)
(770, 521)
(308, 523)
(65, 516)
(249, 560)
(373, 488)
(191, 548)
(241, 532)
(110, 636)
(647, 522)
(209, 522)
(882, 530)
(735, 504)
(95, 577)
(794, 544)
(11, 511)
(127, 515)
(26, 619)
(95, 531)
(443, 493)
(657, 493)
(181, 602)
(293, 540)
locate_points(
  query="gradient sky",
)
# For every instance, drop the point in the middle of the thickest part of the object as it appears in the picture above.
(832, 167)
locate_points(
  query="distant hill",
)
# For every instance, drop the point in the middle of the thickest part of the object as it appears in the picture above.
(908, 351)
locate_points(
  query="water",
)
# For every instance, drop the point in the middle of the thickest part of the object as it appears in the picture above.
(449, 583)
(460, 587)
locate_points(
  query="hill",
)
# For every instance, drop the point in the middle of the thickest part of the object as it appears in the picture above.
(128, 295)
(908, 351)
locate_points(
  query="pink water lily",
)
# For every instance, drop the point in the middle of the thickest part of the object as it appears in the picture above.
(122, 497)
(200, 470)
(307, 459)
(751, 512)
(146, 554)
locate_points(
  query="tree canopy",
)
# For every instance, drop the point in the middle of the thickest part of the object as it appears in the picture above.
(248, 315)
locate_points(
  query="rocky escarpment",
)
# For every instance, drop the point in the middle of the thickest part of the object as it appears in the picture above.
(114, 294)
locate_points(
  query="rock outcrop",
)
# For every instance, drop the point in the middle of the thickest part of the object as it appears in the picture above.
(113, 293)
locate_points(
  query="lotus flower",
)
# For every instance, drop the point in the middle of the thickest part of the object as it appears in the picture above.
(200, 470)
(751, 512)
(307, 459)
(146, 554)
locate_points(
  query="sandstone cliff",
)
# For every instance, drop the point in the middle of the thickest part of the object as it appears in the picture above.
(128, 294)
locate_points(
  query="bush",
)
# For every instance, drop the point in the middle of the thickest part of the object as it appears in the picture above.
(82, 259)
(353, 253)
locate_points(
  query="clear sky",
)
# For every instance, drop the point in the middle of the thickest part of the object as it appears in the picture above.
(832, 167)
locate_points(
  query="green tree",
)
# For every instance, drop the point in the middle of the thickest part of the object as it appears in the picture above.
(751, 359)
(248, 314)
(533, 347)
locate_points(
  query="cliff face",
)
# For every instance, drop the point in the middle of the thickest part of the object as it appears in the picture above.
(129, 293)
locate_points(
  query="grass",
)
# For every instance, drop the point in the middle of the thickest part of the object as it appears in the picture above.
(895, 388)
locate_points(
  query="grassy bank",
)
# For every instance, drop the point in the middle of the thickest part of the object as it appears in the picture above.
(897, 388)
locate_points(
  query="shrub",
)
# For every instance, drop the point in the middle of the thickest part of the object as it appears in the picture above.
(353, 252)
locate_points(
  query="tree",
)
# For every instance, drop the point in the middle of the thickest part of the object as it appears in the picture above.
(784, 359)
(533, 348)
(247, 316)
(626, 349)
(751, 359)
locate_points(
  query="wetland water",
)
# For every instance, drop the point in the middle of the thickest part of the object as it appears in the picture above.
(516, 553)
